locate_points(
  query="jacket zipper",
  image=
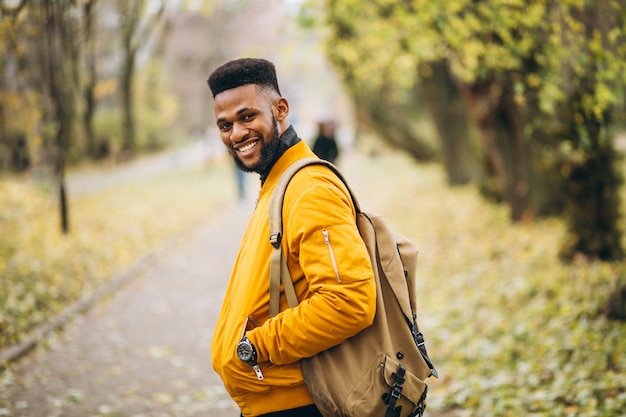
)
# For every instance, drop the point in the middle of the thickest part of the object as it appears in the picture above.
(332, 254)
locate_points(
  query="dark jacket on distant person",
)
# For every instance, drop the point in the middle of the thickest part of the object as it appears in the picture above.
(326, 148)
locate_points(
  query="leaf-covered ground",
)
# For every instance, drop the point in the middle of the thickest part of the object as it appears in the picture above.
(42, 271)
(513, 331)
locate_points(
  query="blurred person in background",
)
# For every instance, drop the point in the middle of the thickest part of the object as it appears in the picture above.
(325, 145)
(241, 183)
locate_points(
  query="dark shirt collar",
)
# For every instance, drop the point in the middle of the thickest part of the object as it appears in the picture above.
(287, 140)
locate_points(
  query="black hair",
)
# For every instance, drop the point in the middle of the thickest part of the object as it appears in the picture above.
(241, 72)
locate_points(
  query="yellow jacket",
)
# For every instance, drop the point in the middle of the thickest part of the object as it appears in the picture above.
(332, 275)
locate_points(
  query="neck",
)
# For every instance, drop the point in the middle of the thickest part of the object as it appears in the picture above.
(287, 139)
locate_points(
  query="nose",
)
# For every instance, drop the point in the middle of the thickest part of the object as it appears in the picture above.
(238, 132)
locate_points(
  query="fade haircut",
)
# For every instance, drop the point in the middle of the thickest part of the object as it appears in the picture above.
(243, 71)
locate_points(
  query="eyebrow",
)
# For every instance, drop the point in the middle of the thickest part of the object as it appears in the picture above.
(239, 112)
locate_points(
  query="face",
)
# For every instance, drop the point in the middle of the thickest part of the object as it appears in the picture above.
(250, 120)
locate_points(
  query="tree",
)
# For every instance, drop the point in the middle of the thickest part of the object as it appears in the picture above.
(84, 48)
(59, 64)
(450, 117)
(90, 78)
(15, 96)
(540, 80)
(136, 27)
(40, 64)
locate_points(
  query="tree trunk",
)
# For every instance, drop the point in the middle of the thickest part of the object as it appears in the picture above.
(500, 126)
(134, 34)
(90, 81)
(130, 11)
(54, 52)
(449, 115)
(516, 145)
(128, 121)
(593, 189)
(392, 121)
(593, 181)
(482, 102)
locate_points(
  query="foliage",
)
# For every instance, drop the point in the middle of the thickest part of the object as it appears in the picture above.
(540, 77)
(83, 43)
(43, 271)
(483, 38)
(20, 109)
(156, 117)
(512, 330)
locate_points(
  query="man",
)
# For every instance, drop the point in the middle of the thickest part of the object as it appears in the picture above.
(325, 145)
(257, 357)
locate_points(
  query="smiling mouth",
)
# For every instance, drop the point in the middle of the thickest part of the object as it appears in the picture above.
(246, 148)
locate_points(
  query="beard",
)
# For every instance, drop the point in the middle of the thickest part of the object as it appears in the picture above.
(270, 150)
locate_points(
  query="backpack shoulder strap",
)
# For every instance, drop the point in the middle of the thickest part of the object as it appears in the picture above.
(278, 266)
(278, 196)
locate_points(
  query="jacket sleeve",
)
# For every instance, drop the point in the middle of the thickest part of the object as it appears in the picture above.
(323, 247)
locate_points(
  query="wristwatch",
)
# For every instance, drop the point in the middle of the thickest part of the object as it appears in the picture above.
(246, 352)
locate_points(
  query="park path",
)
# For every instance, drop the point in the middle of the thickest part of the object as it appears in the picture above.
(196, 153)
(144, 349)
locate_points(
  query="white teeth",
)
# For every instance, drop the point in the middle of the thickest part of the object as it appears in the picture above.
(247, 147)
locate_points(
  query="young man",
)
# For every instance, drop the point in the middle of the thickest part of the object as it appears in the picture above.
(257, 357)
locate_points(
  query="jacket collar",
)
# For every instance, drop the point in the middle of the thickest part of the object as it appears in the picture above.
(298, 151)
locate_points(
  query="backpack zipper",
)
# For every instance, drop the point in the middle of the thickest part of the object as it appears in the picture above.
(332, 254)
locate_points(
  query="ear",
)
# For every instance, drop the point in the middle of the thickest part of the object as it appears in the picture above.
(281, 109)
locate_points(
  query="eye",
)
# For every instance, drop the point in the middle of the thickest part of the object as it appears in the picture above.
(224, 127)
(247, 117)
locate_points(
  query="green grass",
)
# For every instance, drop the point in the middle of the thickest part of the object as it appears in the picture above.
(513, 331)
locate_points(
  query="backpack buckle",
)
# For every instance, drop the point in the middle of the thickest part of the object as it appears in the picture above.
(394, 395)
(275, 240)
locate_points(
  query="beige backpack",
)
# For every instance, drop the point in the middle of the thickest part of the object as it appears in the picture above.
(381, 371)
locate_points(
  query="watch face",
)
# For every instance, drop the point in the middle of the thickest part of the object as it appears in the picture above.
(245, 352)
